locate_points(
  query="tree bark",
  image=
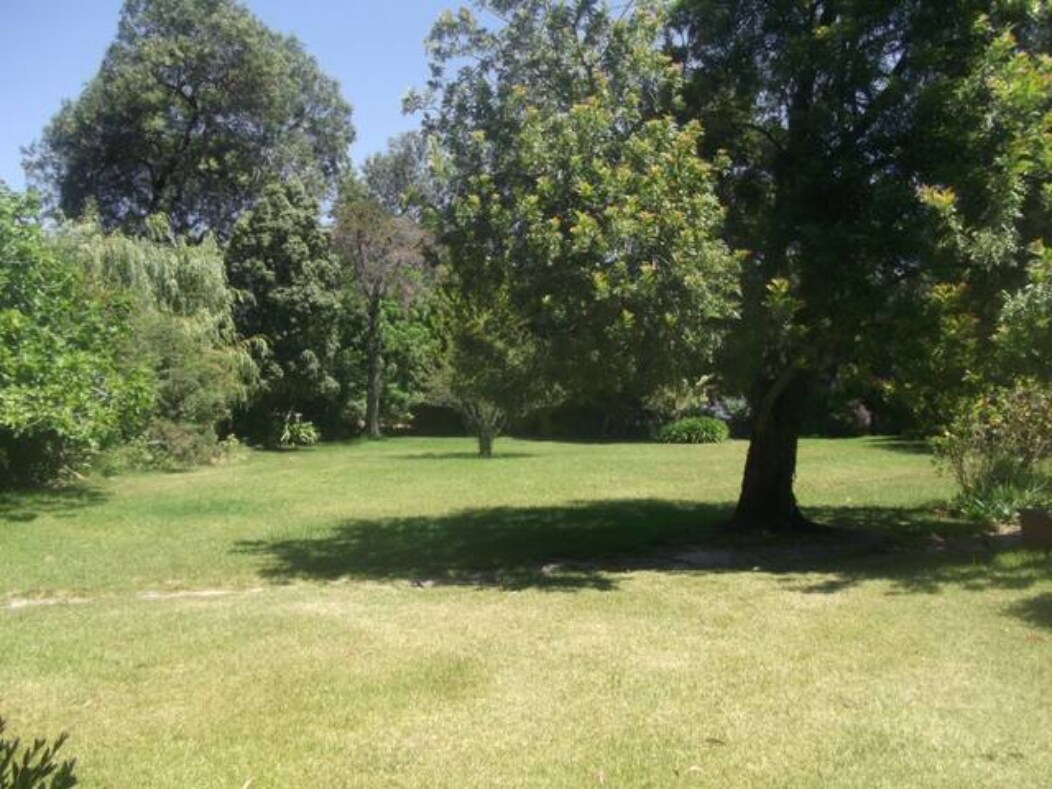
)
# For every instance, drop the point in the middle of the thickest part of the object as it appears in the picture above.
(374, 364)
(767, 500)
(485, 437)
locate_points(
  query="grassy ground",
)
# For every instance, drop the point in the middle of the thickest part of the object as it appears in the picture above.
(404, 614)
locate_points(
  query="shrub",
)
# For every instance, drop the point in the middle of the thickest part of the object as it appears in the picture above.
(297, 433)
(695, 430)
(66, 389)
(994, 448)
(34, 766)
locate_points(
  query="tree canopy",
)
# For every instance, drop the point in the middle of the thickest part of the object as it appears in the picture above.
(565, 187)
(880, 151)
(196, 107)
(287, 284)
(65, 389)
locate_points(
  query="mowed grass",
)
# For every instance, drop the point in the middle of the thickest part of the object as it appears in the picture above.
(403, 614)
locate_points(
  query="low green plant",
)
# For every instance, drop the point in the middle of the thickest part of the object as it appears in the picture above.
(34, 766)
(994, 449)
(694, 430)
(297, 432)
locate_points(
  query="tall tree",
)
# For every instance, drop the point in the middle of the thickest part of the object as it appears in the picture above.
(182, 328)
(197, 106)
(568, 194)
(385, 257)
(861, 134)
(287, 281)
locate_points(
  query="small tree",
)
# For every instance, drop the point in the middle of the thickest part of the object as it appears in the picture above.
(995, 448)
(491, 369)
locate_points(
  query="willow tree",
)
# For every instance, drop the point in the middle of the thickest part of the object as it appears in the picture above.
(881, 153)
(196, 107)
(182, 326)
(567, 193)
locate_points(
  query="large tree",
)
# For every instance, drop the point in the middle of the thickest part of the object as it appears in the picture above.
(882, 152)
(182, 328)
(196, 107)
(287, 307)
(567, 193)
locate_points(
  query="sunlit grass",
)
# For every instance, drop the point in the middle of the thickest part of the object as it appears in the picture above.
(403, 614)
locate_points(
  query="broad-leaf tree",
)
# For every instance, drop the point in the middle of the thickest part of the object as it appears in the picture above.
(565, 188)
(65, 388)
(882, 152)
(196, 107)
(287, 283)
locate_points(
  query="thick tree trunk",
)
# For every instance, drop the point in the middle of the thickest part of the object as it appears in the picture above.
(374, 364)
(767, 500)
(485, 437)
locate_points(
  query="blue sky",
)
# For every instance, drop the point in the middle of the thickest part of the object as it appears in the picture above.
(50, 48)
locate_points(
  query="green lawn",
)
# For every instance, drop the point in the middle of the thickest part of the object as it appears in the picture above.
(404, 614)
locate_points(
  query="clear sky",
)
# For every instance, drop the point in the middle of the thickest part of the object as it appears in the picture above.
(374, 48)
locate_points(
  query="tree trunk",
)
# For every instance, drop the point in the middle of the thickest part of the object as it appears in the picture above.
(485, 437)
(374, 363)
(767, 500)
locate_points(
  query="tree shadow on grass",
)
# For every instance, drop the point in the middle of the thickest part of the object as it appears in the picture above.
(27, 506)
(497, 455)
(1035, 611)
(905, 445)
(568, 547)
(588, 545)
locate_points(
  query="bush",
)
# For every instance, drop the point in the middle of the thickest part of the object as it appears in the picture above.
(695, 430)
(66, 390)
(995, 447)
(297, 433)
(33, 767)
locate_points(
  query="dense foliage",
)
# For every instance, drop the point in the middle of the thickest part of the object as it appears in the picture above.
(564, 187)
(995, 448)
(196, 107)
(287, 284)
(182, 329)
(66, 387)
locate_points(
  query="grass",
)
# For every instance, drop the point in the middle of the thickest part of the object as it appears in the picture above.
(402, 614)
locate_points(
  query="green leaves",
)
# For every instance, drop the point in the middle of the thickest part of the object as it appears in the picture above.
(196, 107)
(287, 306)
(65, 389)
(567, 188)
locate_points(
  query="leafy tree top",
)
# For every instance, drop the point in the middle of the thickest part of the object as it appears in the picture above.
(196, 107)
(564, 186)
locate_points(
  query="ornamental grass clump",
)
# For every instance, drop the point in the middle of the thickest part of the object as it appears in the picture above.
(695, 430)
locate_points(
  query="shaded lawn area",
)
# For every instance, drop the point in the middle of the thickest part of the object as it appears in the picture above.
(403, 614)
